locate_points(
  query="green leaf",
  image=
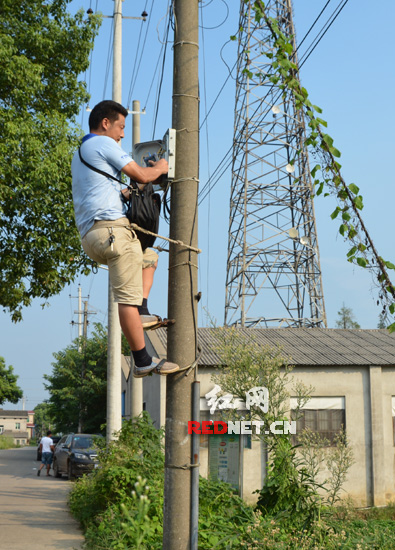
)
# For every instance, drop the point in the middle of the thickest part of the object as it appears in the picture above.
(352, 251)
(358, 202)
(391, 328)
(327, 139)
(335, 152)
(353, 188)
(335, 212)
(390, 265)
(342, 229)
(362, 262)
(314, 170)
(346, 216)
(322, 122)
(392, 308)
(317, 109)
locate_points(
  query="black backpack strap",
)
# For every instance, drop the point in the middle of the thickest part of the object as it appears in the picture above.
(99, 171)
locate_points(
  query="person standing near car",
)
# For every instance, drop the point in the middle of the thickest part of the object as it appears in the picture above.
(47, 449)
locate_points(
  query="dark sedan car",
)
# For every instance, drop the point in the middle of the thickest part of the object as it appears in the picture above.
(76, 454)
(55, 440)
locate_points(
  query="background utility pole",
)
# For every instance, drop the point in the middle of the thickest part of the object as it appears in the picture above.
(114, 381)
(136, 384)
(182, 337)
(83, 365)
(80, 312)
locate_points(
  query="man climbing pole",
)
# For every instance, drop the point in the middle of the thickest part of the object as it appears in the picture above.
(106, 234)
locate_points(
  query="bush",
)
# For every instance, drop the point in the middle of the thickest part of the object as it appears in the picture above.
(6, 442)
(120, 507)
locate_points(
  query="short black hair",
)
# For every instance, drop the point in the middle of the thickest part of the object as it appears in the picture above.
(106, 109)
(49, 432)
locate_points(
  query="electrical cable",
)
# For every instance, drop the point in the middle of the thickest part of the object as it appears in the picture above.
(310, 29)
(157, 102)
(224, 21)
(208, 155)
(209, 185)
(153, 78)
(109, 55)
(306, 56)
(135, 71)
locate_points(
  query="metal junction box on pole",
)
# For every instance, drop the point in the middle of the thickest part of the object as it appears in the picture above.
(156, 150)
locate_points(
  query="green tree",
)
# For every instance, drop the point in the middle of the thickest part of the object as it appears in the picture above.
(43, 50)
(346, 318)
(78, 385)
(9, 391)
(42, 419)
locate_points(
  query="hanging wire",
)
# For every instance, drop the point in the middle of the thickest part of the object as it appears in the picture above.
(157, 102)
(109, 57)
(136, 67)
(322, 33)
(226, 161)
(208, 154)
(220, 24)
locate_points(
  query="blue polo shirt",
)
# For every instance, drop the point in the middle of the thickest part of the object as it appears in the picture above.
(98, 197)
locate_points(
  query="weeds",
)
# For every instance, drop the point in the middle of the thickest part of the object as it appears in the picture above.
(120, 507)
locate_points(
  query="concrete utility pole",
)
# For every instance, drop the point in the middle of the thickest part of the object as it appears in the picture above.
(182, 336)
(83, 365)
(114, 380)
(136, 384)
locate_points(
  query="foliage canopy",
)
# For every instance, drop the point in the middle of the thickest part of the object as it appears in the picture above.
(9, 391)
(78, 385)
(43, 49)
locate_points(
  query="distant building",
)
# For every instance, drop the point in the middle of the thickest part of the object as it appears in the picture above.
(31, 427)
(14, 424)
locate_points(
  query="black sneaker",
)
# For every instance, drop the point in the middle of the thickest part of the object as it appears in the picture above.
(38, 473)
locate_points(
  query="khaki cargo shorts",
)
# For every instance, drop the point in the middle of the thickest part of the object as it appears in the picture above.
(125, 259)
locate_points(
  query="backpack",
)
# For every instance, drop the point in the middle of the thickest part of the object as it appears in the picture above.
(143, 206)
(143, 209)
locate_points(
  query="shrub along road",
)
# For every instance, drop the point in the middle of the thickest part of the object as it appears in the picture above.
(33, 510)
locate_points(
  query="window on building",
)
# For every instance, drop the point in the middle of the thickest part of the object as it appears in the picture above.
(123, 403)
(1, 429)
(17, 425)
(325, 416)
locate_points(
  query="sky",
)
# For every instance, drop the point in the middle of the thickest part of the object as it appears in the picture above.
(350, 75)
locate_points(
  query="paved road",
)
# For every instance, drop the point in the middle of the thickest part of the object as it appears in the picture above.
(33, 510)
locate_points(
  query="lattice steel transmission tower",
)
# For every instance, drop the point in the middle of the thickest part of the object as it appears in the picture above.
(273, 268)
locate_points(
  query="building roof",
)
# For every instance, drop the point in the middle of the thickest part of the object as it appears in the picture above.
(305, 346)
(13, 414)
(125, 366)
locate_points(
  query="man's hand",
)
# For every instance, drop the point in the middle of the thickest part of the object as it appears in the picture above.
(145, 175)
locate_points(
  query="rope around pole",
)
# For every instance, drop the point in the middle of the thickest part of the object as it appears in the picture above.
(179, 243)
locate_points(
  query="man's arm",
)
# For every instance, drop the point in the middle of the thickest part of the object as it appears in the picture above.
(145, 175)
